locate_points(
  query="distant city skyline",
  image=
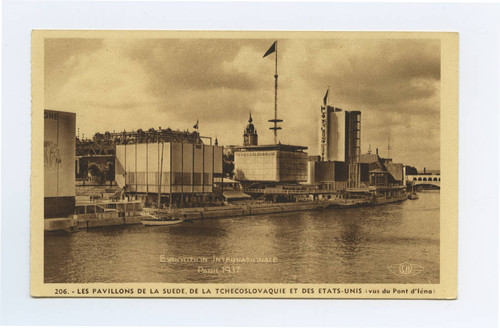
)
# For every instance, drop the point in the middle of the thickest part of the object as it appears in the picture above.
(130, 84)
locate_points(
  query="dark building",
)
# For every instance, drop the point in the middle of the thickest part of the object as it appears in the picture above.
(98, 169)
(250, 137)
(353, 136)
(353, 147)
(410, 170)
(331, 175)
(364, 174)
(382, 171)
(334, 175)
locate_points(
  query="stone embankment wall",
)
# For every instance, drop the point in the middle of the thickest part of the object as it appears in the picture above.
(112, 218)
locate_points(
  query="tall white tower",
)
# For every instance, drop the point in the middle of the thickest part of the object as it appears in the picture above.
(332, 140)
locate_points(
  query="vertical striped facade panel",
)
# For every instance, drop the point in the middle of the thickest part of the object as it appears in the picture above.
(217, 159)
(186, 168)
(130, 166)
(176, 168)
(143, 162)
(176, 164)
(165, 167)
(154, 155)
(208, 168)
(120, 166)
(142, 150)
(198, 168)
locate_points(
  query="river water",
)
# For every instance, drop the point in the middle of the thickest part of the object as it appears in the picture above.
(325, 246)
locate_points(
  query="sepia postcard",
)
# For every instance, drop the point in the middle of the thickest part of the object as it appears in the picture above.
(239, 164)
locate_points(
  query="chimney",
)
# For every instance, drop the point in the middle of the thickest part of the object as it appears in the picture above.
(377, 151)
(424, 170)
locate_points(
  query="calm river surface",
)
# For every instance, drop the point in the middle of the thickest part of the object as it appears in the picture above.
(326, 246)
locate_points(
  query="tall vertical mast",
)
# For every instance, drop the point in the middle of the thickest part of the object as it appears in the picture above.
(389, 146)
(276, 120)
(276, 96)
(160, 175)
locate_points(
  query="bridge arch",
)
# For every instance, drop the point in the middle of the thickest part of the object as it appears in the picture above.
(429, 179)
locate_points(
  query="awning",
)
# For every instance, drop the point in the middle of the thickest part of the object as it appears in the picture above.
(235, 194)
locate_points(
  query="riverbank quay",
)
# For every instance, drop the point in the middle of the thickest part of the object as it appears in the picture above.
(243, 210)
(103, 214)
(113, 217)
(91, 214)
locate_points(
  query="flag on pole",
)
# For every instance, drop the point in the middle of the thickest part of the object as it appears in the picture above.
(196, 125)
(271, 50)
(326, 96)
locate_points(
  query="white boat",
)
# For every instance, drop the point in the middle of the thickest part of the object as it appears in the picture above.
(413, 196)
(160, 221)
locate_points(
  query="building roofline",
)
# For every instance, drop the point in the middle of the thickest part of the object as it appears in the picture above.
(271, 147)
(58, 111)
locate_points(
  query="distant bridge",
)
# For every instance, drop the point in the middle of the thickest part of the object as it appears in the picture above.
(425, 179)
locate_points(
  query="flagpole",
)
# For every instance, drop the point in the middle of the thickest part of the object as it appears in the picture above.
(276, 97)
(327, 97)
(276, 120)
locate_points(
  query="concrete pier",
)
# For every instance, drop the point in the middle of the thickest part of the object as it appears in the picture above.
(116, 218)
(112, 218)
(246, 210)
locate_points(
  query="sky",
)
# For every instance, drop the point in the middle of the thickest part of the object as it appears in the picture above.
(128, 84)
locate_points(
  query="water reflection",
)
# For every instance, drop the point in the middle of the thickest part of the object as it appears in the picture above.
(350, 240)
(329, 246)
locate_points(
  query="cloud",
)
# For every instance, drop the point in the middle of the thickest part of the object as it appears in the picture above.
(192, 64)
(116, 84)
